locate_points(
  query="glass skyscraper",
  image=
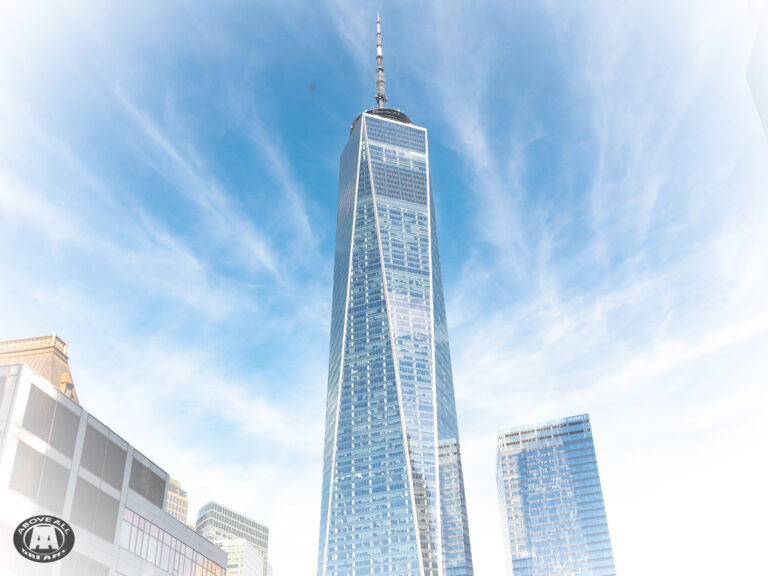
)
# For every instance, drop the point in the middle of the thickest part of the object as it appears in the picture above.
(551, 501)
(392, 491)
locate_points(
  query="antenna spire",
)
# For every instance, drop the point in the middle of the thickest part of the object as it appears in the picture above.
(381, 95)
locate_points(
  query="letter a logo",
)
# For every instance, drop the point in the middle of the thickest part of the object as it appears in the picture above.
(43, 538)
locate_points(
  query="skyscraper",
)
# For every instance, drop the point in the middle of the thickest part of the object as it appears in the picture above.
(227, 528)
(551, 500)
(392, 491)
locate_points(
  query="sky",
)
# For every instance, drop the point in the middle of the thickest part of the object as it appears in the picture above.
(168, 186)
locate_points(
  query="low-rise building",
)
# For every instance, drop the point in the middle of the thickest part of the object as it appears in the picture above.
(57, 459)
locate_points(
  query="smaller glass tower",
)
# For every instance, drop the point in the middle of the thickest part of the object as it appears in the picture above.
(222, 525)
(551, 500)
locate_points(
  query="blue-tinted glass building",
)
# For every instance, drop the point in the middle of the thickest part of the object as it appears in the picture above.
(551, 501)
(392, 491)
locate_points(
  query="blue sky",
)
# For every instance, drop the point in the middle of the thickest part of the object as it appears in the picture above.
(167, 206)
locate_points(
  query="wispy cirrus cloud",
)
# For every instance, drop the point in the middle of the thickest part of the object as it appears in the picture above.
(272, 149)
(463, 74)
(169, 280)
(222, 217)
(605, 175)
(635, 288)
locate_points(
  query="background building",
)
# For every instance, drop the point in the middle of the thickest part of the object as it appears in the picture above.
(176, 501)
(225, 527)
(392, 491)
(243, 559)
(56, 458)
(46, 355)
(551, 500)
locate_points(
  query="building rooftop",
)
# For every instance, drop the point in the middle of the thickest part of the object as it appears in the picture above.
(46, 355)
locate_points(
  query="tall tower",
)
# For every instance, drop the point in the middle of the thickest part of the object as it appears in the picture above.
(393, 490)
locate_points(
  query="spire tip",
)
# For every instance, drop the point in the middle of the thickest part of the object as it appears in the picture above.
(381, 95)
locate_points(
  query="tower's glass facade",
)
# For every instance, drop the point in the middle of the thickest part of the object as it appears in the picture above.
(393, 494)
(551, 501)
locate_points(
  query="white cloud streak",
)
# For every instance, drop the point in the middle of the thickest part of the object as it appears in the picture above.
(654, 322)
(224, 219)
(677, 233)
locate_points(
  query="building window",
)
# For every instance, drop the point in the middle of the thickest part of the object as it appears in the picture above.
(94, 510)
(146, 483)
(39, 478)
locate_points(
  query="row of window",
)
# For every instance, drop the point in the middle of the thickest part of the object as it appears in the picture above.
(44, 480)
(147, 540)
(103, 454)
(396, 134)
